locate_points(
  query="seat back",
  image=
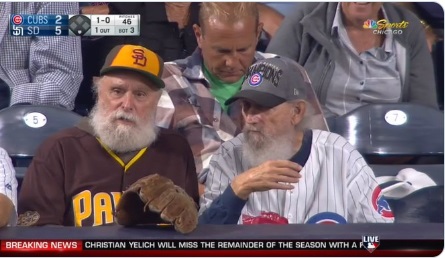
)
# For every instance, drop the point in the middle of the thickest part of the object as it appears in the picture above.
(24, 127)
(434, 171)
(401, 129)
(425, 205)
(422, 206)
(438, 54)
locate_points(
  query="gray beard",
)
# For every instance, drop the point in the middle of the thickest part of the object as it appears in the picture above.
(259, 148)
(123, 138)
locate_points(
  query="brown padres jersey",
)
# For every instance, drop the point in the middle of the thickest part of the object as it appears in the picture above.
(74, 180)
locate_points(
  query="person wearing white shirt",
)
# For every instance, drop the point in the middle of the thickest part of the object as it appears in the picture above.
(8, 191)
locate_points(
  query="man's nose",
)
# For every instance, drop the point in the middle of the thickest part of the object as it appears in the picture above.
(128, 101)
(252, 118)
(231, 59)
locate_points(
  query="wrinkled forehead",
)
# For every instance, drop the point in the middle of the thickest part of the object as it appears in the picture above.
(128, 81)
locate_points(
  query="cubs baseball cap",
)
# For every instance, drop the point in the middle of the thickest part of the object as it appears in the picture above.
(273, 81)
(135, 58)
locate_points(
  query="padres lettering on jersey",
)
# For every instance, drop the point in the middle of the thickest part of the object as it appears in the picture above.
(100, 206)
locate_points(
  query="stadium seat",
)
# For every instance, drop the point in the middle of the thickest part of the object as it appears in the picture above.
(425, 205)
(394, 130)
(422, 206)
(24, 127)
(434, 171)
(437, 54)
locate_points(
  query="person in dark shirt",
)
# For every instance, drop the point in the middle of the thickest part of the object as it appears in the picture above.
(78, 175)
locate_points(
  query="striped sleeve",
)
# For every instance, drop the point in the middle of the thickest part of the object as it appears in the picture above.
(222, 170)
(366, 205)
(8, 183)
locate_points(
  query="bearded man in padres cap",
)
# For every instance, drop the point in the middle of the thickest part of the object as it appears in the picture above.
(78, 175)
(282, 169)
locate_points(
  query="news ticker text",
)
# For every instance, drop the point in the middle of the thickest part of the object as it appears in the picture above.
(21, 245)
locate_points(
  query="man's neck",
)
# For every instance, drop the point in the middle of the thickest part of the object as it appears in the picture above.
(299, 136)
(303, 143)
(357, 24)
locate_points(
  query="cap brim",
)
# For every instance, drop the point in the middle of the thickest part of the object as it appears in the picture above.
(263, 99)
(158, 82)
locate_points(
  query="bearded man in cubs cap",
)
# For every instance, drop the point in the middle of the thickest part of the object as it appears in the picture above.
(281, 169)
(78, 175)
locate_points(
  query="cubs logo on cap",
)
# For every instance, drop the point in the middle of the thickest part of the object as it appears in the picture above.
(281, 80)
(135, 58)
(255, 79)
(326, 218)
(380, 204)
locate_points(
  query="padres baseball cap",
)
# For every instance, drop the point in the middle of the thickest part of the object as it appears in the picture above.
(135, 58)
(273, 81)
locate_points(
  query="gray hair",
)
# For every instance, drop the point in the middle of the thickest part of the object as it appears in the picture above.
(95, 85)
(308, 118)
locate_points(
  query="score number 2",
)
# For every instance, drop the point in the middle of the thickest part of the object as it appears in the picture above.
(58, 29)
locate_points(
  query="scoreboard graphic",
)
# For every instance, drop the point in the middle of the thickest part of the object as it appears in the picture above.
(74, 25)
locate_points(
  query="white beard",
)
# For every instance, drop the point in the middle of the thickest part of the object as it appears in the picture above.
(260, 148)
(123, 138)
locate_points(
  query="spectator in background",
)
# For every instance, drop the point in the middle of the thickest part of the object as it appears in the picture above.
(8, 191)
(350, 65)
(199, 85)
(93, 8)
(270, 18)
(284, 8)
(38, 70)
(166, 28)
(281, 170)
(431, 36)
(78, 175)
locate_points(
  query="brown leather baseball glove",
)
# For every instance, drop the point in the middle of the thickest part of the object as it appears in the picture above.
(153, 196)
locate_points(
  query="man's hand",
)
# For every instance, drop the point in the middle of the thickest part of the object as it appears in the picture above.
(269, 175)
(6, 209)
(201, 188)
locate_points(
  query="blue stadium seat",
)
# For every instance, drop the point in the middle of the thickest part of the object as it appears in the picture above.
(391, 130)
(24, 127)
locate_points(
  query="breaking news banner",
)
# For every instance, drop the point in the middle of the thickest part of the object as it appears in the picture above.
(365, 246)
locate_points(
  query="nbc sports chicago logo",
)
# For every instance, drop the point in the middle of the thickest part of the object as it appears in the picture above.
(383, 26)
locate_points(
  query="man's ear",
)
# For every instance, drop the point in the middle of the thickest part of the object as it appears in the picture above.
(198, 34)
(259, 31)
(298, 112)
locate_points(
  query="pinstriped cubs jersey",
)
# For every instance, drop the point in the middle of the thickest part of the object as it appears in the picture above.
(337, 186)
(8, 183)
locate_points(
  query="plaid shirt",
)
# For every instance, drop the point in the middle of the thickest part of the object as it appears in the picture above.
(188, 106)
(40, 70)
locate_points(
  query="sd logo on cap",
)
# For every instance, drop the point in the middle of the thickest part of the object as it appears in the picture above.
(137, 59)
